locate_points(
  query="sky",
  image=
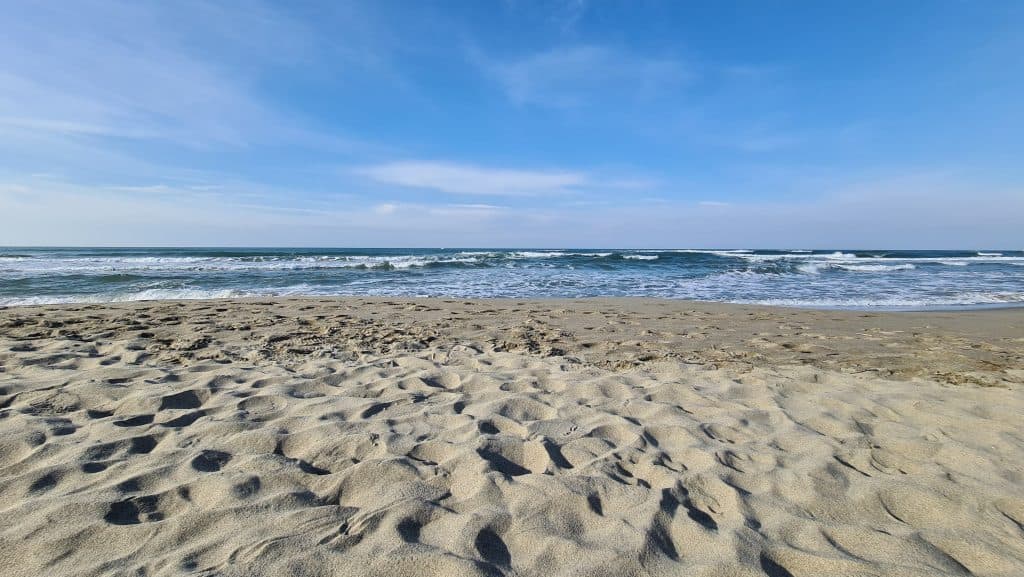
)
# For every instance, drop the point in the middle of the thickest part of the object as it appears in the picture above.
(566, 123)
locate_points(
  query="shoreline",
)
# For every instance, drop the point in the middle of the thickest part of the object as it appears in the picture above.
(503, 299)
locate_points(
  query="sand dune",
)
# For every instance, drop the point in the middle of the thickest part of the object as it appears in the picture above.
(547, 438)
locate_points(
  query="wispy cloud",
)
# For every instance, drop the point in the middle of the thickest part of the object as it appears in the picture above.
(114, 76)
(234, 214)
(188, 73)
(570, 77)
(567, 13)
(474, 180)
(417, 210)
(158, 119)
(110, 93)
(899, 210)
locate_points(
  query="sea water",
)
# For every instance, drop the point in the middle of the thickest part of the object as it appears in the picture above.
(844, 278)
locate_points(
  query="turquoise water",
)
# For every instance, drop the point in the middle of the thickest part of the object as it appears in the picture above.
(823, 278)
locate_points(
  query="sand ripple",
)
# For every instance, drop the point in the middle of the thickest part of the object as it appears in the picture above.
(192, 440)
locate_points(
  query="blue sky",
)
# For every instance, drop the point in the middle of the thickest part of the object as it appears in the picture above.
(513, 123)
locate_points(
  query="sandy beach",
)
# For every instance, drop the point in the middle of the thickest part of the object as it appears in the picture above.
(612, 437)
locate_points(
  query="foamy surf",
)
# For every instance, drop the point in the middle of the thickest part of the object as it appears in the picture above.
(798, 277)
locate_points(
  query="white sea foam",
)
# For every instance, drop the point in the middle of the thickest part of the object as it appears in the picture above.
(22, 267)
(796, 277)
(723, 252)
(817, 267)
(800, 256)
(526, 254)
(852, 259)
(967, 260)
(130, 265)
(875, 267)
(537, 254)
(908, 301)
(143, 295)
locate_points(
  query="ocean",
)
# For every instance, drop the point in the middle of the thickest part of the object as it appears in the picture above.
(842, 278)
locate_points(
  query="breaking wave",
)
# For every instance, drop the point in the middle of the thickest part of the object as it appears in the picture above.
(798, 277)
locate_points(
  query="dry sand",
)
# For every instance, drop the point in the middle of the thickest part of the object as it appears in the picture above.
(533, 438)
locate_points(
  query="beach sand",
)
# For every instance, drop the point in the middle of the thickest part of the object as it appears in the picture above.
(423, 437)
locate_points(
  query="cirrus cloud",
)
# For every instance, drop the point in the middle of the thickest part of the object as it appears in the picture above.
(573, 76)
